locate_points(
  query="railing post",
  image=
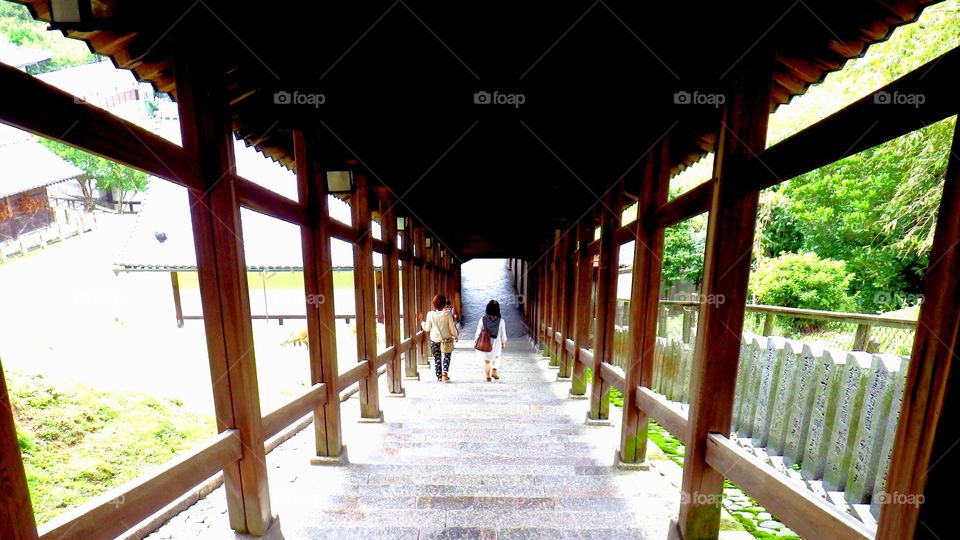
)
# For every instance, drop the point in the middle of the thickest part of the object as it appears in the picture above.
(688, 322)
(609, 270)
(644, 302)
(318, 286)
(391, 296)
(726, 269)
(16, 512)
(768, 325)
(563, 313)
(582, 315)
(662, 321)
(550, 349)
(411, 357)
(423, 299)
(861, 338)
(222, 272)
(364, 294)
(177, 305)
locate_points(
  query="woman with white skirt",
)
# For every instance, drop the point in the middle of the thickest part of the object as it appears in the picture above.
(497, 329)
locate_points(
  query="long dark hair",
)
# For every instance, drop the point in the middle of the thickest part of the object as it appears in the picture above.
(493, 308)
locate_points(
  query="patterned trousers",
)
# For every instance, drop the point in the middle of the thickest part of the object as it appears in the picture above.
(435, 347)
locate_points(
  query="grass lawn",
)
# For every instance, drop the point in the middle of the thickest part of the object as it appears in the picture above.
(78, 442)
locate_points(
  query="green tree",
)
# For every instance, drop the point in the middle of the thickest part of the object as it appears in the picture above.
(100, 173)
(21, 29)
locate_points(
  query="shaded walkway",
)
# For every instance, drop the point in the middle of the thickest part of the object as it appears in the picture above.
(469, 459)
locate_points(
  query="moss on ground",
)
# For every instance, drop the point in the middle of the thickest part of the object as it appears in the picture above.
(78, 442)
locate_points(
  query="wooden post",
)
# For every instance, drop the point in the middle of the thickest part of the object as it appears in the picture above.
(16, 512)
(563, 301)
(861, 338)
(644, 302)
(391, 284)
(364, 294)
(222, 272)
(923, 471)
(768, 326)
(318, 287)
(582, 294)
(554, 315)
(610, 214)
(726, 268)
(409, 303)
(423, 300)
(177, 306)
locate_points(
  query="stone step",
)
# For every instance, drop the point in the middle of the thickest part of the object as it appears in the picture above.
(469, 533)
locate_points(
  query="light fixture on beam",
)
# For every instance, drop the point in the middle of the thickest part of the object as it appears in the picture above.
(401, 223)
(429, 242)
(339, 182)
(82, 14)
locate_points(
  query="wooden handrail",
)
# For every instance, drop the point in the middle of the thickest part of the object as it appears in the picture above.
(111, 513)
(354, 374)
(386, 356)
(852, 318)
(665, 412)
(808, 515)
(570, 345)
(613, 375)
(585, 356)
(277, 420)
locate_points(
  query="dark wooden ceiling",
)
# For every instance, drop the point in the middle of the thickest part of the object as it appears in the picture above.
(598, 77)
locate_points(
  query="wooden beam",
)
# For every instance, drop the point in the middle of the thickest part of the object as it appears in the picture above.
(667, 413)
(872, 120)
(613, 375)
(112, 513)
(726, 270)
(222, 271)
(319, 291)
(341, 231)
(365, 298)
(16, 512)
(690, 204)
(800, 509)
(610, 211)
(357, 373)
(34, 106)
(921, 471)
(304, 403)
(262, 200)
(652, 188)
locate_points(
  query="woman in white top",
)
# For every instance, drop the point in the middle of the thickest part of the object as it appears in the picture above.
(439, 323)
(497, 329)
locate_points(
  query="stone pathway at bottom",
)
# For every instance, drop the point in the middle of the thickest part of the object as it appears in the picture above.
(467, 459)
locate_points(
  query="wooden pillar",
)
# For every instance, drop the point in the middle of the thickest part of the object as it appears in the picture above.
(423, 301)
(16, 512)
(652, 188)
(582, 316)
(409, 303)
(554, 314)
(318, 287)
(610, 213)
(177, 306)
(458, 288)
(563, 300)
(726, 269)
(365, 296)
(222, 272)
(923, 470)
(391, 285)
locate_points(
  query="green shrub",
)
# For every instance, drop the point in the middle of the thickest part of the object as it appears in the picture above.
(803, 280)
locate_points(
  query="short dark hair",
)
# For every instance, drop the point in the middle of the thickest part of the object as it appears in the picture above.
(439, 301)
(493, 308)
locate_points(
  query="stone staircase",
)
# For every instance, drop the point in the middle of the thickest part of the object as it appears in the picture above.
(467, 459)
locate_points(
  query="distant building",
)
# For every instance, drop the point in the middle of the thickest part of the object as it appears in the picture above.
(22, 57)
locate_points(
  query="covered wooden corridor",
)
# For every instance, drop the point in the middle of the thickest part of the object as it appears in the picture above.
(413, 114)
